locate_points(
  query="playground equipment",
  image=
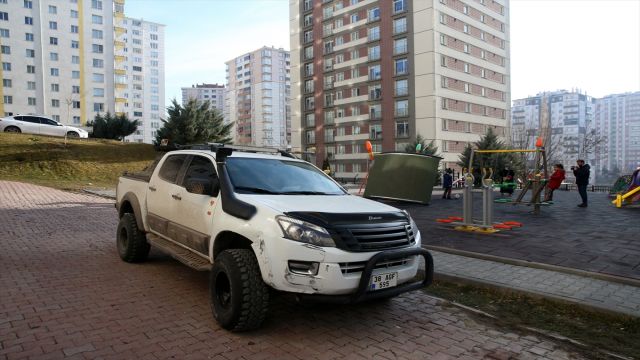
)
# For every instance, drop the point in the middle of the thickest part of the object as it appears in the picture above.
(627, 198)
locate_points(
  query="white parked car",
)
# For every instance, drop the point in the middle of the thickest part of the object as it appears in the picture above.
(40, 125)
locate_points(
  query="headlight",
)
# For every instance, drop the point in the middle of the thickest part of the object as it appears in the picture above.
(305, 232)
(411, 222)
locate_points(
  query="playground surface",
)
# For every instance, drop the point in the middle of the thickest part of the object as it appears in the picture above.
(599, 239)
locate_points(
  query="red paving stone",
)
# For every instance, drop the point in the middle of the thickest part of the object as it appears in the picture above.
(64, 293)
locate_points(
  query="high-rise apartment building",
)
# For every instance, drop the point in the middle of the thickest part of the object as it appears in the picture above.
(73, 59)
(570, 118)
(214, 93)
(139, 73)
(617, 120)
(57, 58)
(257, 98)
(387, 70)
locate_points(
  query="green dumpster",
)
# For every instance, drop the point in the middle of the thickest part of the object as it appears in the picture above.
(402, 176)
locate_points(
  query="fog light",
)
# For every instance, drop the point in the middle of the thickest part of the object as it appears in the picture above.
(303, 267)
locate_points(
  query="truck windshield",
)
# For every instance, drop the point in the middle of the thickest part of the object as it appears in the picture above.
(278, 177)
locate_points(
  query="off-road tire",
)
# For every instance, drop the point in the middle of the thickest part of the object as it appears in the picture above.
(73, 134)
(12, 129)
(239, 297)
(131, 242)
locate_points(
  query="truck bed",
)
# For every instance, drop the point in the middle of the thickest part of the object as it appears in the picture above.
(145, 174)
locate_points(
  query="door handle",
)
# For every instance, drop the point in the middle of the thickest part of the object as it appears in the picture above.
(176, 196)
(152, 188)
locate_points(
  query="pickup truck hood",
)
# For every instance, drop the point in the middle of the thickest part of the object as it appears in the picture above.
(318, 203)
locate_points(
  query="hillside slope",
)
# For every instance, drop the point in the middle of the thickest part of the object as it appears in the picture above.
(80, 164)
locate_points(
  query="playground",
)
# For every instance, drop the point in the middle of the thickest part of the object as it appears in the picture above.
(601, 238)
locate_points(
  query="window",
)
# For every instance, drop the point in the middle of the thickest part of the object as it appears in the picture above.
(443, 18)
(28, 4)
(308, 20)
(75, 89)
(7, 99)
(171, 167)
(443, 61)
(308, 86)
(311, 137)
(6, 66)
(98, 107)
(7, 83)
(402, 87)
(199, 177)
(75, 59)
(374, 33)
(55, 103)
(53, 41)
(354, 18)
(373, 14)
(74, 14)
(400, 46)
(75, 104)
(401, 67)
(97, 49)
(28, 20)
(31, 69)
(399, 25)
(53, 25)
(467, 87)
(53, 56)
(96, 19)
(75, 74)
(55, 72)
(465, 9)
(98, 78)
(96, 4)
(375, 92)
(308, 69)
(153, 37)
(375, 132)
(466, 68)
(466, 48)
(308, 36)
(74, 29)
(309, 103)
(465, 28)
(374, 52)
(399, 6)
(53, 9)
(75, 44)
(308, 52)
(55, 87)
(98, 63)
(5, 33)
(98, 92)
(402, 129)
(6, 49)
(374, 72)
(30, 53)
(402, 108)
(31, 101)
(96, 34)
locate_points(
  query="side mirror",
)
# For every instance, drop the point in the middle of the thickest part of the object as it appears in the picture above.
(209, 187)
(60, 124)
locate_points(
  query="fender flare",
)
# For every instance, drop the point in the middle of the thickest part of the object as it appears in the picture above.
(135, 204)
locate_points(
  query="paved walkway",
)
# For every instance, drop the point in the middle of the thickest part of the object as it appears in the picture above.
(66, 294)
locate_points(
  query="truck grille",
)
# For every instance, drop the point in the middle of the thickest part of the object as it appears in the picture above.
(376, 237)
(357, 267)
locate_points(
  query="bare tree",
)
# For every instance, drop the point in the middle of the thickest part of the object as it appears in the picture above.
(591, 142)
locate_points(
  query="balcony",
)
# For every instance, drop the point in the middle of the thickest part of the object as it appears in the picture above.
(350, 44)
(353, 137)
(349, 26)
(350, 82)
(354, 118)
(350, 8)
(350, 63)
(351, 100)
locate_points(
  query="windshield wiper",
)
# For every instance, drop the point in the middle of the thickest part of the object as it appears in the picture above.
(306, 193)
(256, 190)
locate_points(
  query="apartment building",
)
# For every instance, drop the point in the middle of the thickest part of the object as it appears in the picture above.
(57, 58)
(570, 116)
(257, 97)
(387, 70)
(617, 120)
(139, 75)
(214, 93)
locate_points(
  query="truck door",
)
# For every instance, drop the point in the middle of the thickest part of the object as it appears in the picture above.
(195, 209)
(163, 194)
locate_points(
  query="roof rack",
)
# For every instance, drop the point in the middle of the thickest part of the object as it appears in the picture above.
(215, 147)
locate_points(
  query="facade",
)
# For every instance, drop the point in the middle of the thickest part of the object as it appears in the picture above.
(387, 70)
(257, 98)
(570, 117)
(617, 119)
(139, 73)
(214, 93)
(57, 58)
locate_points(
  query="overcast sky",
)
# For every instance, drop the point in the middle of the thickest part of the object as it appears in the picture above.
(592, 45)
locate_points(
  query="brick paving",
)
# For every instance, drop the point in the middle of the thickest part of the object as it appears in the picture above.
(600, 238)
(64, 293)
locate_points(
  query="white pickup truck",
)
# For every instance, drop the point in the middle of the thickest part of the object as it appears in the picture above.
(260, 219)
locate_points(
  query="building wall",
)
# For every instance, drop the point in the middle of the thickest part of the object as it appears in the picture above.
(257, 98)
(213, 93)
(617, 119)
(55, 48)
(385, 71)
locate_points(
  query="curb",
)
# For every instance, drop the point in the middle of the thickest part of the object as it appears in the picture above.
(537, 265)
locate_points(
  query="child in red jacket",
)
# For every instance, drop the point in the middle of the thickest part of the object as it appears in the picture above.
(555, 180)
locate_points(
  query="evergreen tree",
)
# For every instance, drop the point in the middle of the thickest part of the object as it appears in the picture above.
(194, 123)
(498, 162)
(112, 127)
(428, 148)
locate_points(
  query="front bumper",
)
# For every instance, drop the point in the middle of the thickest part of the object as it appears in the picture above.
(362, 293)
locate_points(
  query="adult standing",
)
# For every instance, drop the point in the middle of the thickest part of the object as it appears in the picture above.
(582, 173)
(447, 183)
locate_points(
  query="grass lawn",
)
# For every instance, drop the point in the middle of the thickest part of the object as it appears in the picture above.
(599, 331)
(81, 163)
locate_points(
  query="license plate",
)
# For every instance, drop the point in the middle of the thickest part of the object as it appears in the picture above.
(383, 281)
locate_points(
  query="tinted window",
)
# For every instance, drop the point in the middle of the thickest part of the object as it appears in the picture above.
(48, 122)
(31, 119)
(171, 167)
(200, 175)
(266, 176)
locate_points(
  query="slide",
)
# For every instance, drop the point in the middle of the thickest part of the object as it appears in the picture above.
(626, 199)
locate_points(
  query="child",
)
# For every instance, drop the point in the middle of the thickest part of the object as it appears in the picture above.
(555, 180)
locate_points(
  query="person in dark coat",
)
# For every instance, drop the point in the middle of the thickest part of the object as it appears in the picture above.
(582, 173)
(555, 180)
(447, 183)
